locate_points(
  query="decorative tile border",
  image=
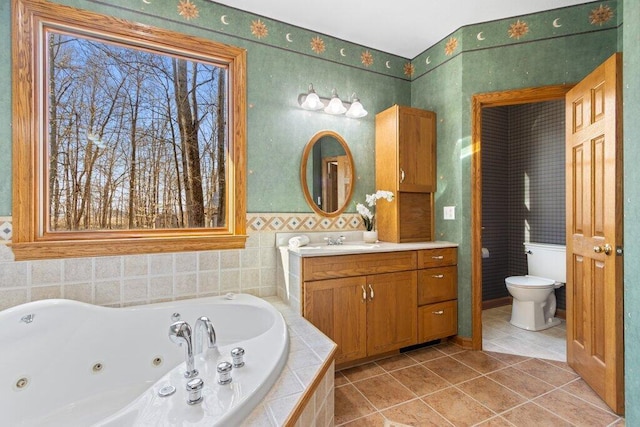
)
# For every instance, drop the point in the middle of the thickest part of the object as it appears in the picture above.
(302, 221)
(260, 222)
(6, 229)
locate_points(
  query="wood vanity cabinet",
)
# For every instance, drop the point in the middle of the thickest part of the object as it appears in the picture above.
(437, 293)
(366, 303)
(406, 165)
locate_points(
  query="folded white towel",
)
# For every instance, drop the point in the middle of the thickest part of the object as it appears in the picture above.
(297, 241)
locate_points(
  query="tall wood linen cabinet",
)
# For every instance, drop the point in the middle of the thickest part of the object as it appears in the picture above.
(406, 165)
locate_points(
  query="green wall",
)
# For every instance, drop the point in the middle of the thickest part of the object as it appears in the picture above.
(278, 71)
(631, 111)
(448, 90)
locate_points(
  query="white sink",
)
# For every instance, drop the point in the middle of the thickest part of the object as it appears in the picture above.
(346, 247)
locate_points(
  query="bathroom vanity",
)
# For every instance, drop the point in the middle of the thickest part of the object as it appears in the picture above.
(373, 300)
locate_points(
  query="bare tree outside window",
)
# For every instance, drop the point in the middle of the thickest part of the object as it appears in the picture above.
(137, 140)
(127, 138)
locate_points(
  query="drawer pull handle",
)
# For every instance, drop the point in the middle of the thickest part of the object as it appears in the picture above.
(371, 295)
(402, 175)
(439, 312)
(437, 276)
(364, 294)
(437, 257)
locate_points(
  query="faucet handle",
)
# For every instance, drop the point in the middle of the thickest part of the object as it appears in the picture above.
(194, 391)
(224, 372)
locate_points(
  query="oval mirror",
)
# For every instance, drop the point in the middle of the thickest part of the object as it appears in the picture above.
(326, 173)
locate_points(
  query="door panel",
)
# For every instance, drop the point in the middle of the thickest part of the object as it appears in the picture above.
(594, 231)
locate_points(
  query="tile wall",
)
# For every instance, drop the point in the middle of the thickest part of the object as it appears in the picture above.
(141, 279)
(523, 169)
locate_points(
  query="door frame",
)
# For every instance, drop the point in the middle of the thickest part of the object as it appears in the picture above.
(478, 102)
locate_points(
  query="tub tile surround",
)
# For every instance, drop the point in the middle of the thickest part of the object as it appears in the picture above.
(304, 394)
(120, 281)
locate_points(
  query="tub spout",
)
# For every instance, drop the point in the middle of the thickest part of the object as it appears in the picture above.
(204, 327)
(180, 333)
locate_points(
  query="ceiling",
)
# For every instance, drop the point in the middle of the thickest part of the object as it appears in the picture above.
(401, 27)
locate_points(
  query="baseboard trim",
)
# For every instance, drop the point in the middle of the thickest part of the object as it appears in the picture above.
(496, 302)
(464, 342)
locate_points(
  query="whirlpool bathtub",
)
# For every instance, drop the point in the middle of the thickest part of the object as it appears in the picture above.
(66, 363)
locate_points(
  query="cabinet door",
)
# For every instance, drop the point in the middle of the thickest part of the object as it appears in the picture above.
(391, 311)
(417, 150)
(338, 308)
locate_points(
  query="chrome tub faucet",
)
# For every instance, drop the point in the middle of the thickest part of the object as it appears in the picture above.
(180, 333)
(204, 326)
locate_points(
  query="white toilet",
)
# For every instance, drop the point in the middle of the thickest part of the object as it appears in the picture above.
(534, 298)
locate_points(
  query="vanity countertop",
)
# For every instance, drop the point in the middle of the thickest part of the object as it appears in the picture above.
(359, 247)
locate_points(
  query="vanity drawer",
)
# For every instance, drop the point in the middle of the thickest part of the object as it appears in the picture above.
(437, 321)
(437, 257)
(329, 267)
(437, 284)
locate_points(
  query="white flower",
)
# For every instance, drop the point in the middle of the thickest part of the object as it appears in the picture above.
(371, 199)
(380, 194)
(364, 211)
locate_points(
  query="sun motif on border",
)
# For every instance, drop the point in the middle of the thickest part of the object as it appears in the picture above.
(366, 58)
(317, 45)
(518, 29)
(451, 46)
(187, 10)
(600, 15)
(259, 29)
(409, 69)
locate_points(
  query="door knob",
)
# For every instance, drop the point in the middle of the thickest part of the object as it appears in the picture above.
(600, 249)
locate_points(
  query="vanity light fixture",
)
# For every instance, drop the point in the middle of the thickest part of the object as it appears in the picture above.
(334, 105)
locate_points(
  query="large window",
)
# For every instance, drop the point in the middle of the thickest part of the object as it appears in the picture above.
(127, 139)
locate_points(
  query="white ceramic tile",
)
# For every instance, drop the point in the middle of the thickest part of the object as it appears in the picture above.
(46, 272)
(78, 269)
(499, 335)
(136, 265)
(13, 274)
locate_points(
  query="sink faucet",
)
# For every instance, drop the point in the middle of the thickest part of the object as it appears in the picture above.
(180, 333)
(204, 326)
(337, 241)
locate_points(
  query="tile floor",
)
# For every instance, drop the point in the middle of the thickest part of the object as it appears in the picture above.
(445, 385)
(498, 335)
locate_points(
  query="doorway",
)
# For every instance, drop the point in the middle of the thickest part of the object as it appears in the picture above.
(480, 102)
(523, 200)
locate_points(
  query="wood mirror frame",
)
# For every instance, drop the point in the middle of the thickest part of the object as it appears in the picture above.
(30, 239)
(304, 171)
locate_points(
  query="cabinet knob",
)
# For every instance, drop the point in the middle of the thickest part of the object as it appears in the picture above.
(438, 313)
(364, 294)
(401, 175)
(371, 295)
(437, 276)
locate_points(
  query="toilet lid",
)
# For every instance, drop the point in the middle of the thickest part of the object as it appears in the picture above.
(530, 281)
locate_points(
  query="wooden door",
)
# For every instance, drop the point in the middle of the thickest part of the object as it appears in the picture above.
(344, 179)
(392, 311)
(417, 150)
(338, 307)
(594, 232)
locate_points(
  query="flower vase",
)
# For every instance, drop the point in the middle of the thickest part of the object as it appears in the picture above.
(370, 236)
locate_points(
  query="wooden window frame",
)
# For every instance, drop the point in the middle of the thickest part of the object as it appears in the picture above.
(30, 17)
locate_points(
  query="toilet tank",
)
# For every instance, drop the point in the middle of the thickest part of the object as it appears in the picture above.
(546, 260)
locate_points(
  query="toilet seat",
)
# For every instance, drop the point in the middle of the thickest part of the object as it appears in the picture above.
(530, 282)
